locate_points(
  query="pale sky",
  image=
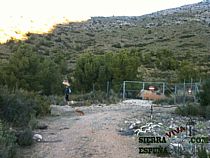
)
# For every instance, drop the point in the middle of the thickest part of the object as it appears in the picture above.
(83, 9)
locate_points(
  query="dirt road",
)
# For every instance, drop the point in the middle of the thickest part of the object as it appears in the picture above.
(94, 135)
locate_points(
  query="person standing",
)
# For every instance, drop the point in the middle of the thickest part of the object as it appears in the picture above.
(67, 90)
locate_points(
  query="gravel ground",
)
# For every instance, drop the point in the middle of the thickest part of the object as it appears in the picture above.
(97, 134)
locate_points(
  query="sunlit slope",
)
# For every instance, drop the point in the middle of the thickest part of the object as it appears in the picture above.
(17, 27)
(184, 30)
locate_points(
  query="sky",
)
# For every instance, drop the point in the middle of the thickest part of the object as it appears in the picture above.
(83, 9)
(21, 16)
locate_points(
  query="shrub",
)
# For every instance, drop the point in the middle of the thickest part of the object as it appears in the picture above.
(205, 94)
(7, 141)
(190, 109)
(19, 107)
(149, 31)
(42, 104)
(25, 137)
(194, 110)
(93, 71)
(202, 152)
(188, 70)
(30, 71)
(207, 112)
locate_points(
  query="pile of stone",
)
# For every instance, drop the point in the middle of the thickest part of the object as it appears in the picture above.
(178, 131)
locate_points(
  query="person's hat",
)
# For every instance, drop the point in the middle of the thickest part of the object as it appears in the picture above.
(66, 82)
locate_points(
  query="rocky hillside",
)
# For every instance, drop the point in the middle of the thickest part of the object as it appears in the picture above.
(185, 30)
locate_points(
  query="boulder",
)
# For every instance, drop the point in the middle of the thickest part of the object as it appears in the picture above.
(37, 137)
(56, 110)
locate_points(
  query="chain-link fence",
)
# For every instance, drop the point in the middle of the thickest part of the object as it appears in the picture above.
(143, 90)
(178, 93)
(186, 92)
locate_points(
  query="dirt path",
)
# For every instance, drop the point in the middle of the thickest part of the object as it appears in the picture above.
(96, 134)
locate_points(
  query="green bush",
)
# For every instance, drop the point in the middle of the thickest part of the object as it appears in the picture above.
(98, 69)
(188, 70)
(25, 137)
(7, 141)
(202, 152)
(205, 94)
(30, 71)
(194, 109)
(207, 112)
(42, 103)
(190, 109)
(19, 107)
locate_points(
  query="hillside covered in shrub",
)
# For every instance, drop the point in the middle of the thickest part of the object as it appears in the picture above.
(185, 31)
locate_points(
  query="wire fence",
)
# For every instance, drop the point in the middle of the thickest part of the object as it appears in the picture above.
(186, 92)
(180, 93)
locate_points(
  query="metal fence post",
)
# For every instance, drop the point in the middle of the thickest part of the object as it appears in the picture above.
(164, 88)
(143, 90)
(175, 94)
(123, 90)
(107, 88)
(184, 92)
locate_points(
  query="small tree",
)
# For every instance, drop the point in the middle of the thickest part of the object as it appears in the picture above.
(28, 70)
(188, 71)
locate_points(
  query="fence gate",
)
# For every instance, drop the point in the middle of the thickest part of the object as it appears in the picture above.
(134, 89)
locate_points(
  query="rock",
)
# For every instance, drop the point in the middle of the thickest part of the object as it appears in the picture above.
(102, 105)
(42, 126)
(64, 128)
(138, 122)
(176, 145)
(37, 137)
(133, 126)
(126, 122)
(56, 110)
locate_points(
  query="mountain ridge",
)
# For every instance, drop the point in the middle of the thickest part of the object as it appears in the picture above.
(183, 30)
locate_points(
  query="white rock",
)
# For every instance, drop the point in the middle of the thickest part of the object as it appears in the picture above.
(153, 126)
(138, 122)
(37, 137)
(149, 124)
(132, 126)
(137, 102)
(177, 145)
(138, 131)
